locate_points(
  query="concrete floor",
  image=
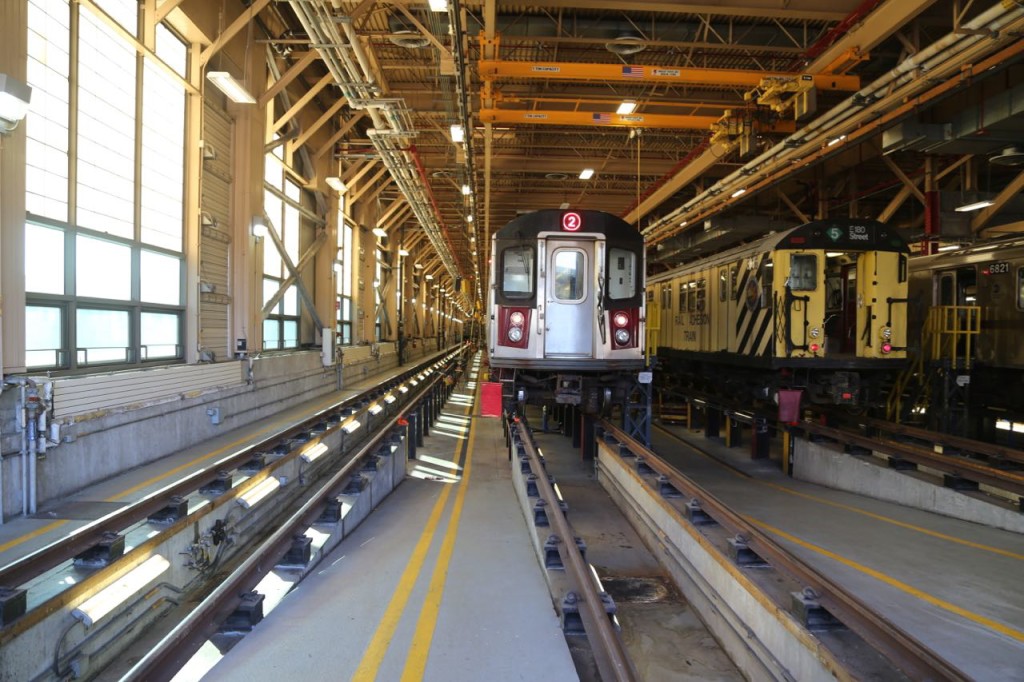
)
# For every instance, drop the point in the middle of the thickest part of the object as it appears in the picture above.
(951, 583)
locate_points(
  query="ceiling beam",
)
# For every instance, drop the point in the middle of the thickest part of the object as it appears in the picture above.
(347, 126)
(240, 22)
(287, 77)
(662, 75)
(302, 101)
(324, 118)
(766, 9)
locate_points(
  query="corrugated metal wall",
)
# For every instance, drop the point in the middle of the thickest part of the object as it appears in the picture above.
(215, 243)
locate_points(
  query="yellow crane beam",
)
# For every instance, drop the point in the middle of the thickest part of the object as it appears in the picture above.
(493, 69)
(600, 119)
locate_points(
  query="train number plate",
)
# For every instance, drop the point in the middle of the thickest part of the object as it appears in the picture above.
(1000, 268)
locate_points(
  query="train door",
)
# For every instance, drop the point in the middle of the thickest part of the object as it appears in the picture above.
(849, 319)
(720, 310)
(570, 315)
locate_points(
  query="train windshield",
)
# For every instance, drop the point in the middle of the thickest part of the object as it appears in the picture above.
(621, 273)
(517, 271)
(569, 275)
(803, 272)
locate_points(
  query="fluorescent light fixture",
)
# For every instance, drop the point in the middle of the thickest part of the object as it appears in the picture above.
(403, 252)
(253, 496)
(950, 247)
(458, 133)
(227, 84)
(466, 190)
(14, 99)
(428, 277)
(469, 218)
(586, 173)
(683, 224)
(259, 228)
(836, 140)
(313, 452)
(626, 108)
(115, 594)
(973, 207)
(438, 5)
(564, 205)
(418, 266)
(351, 426)
(741, 191)
(380, 232)
(335, 183)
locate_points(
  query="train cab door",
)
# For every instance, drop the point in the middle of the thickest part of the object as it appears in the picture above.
(848, 326)
(570, 301)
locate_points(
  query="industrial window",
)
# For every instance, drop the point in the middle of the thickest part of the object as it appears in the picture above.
(683, 290)
(282, 202)
(803, 272)
(621, 274)
(343, 267)
(104, 255)
(570, 275)
(701, 297)
(691, 297)
(517, 272)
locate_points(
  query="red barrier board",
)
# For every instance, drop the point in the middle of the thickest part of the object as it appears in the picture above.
(490, 399)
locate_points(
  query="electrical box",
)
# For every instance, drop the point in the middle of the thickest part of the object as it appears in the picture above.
(327, 347)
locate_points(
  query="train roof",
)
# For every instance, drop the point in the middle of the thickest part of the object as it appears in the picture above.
(834, 234)
(529, 225)
(985, 252)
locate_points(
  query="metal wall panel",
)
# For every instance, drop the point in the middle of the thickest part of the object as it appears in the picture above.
(215, 243)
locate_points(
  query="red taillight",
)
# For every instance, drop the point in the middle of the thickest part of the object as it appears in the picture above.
(625, 330)
(513, 327)
(886, 347)
(815, 347)
(847, 396)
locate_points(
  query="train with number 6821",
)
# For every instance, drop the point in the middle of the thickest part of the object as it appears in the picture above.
(817, 313)
(567, 308)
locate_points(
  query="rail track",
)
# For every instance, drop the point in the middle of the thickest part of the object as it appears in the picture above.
(200, 544)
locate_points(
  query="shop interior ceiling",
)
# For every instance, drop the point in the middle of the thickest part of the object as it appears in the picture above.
(729, 95)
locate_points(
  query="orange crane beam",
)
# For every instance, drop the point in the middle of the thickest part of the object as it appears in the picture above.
(600, 119)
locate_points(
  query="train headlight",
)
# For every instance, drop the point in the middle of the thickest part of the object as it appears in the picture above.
(621, 320)
(815, 332)
(515, 334)
(621, 337)
(516, 319)
(886, 333)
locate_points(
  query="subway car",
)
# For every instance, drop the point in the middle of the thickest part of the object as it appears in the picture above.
(566, 303)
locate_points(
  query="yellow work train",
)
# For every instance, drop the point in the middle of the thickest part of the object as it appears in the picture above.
(820, 308)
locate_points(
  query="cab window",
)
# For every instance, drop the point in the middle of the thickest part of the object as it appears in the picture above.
(621, 273)
(569, 275)
(517, 272)
(803, 272)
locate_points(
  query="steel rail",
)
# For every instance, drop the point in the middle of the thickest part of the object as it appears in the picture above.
(610, 653)
(991, 450)
(170, 654)
(913, 657)
(30, 566)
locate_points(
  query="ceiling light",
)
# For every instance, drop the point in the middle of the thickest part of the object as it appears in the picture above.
(14, 99)
(586, 173)
(836, 140)
(114, 594)
(418, 266)
(259, 228)
(973, 207)
(683, 224)
(564, 205)
(466, 190)
(336, 184)
(380, 232)
(626, 108)
(469, 218)
(438, 5)
(230, 87)
(739, 192)
(428, 277)
(403, 252)
(458, 133)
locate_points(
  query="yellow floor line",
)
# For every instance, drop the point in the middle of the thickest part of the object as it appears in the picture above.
(382, 636)
(856, 510)
(899, 585)
(419, 650)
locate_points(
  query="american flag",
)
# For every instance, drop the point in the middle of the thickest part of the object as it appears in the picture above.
(602, 118)
(633, 71)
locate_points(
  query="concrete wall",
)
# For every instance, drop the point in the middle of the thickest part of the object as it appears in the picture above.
(823, 464)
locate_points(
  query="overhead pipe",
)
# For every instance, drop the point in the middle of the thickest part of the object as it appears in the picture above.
(950, 46)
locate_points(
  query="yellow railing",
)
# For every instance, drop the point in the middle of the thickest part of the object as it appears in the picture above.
(948, 334)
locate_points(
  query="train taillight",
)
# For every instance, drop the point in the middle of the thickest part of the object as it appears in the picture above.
(513, 326)
(624, 328)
